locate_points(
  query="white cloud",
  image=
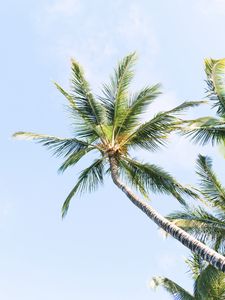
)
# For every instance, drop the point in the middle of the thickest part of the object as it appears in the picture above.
(137, 27)
(50, 15)
(63, 7)
(211, 7)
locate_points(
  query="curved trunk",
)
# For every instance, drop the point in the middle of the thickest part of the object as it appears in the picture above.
(209, 255)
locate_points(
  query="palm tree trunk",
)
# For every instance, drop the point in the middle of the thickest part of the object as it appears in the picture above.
(209, 255)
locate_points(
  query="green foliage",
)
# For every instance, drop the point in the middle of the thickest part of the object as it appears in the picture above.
(210, 129)
(205, 130)
(88, 180)
(112, 125)
(209, 283)
(215, 71)
(151, 177)
(208, 226)
(172, 287)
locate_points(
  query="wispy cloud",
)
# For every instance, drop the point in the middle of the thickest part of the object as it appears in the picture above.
(97, 43)
(63, 8)
(137, 27)
(209, 7)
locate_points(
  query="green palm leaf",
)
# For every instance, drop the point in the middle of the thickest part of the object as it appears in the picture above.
(215, 71)
(59, 146)
(154, 178)
(211, 188)
(132, 178)
(115, 99)
(88, 180)
(153, 134)
(74, 158)
(83, 97)
(210, 285)
(203, 225)
(204, 130)
(210, 129)
(137, 107)
(196, 265)
(172, 287)
(84, 127)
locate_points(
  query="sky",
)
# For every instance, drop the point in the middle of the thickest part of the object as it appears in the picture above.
(105, 248)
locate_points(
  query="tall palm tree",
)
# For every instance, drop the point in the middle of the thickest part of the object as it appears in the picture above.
(211, 129)
(209, 283)
(208, 226)
(111, 126)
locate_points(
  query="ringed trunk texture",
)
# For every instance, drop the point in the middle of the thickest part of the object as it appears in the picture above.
(208, 254)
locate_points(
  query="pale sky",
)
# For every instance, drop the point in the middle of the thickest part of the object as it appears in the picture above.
(105, 248)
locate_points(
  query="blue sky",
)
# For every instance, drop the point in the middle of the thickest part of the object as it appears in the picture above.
(105, 248)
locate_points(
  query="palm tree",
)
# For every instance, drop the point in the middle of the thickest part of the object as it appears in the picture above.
(209, 283)
(208, 226)
(206, 129)
(111, 126)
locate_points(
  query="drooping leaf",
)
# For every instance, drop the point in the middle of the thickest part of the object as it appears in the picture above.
(205, 130)
(88, 180)
(172, 287)
(59, 146)
(215, 71)
(211, 187)
(155, 179)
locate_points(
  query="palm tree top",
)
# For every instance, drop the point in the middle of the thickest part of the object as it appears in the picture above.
(113, 124)
(209, 283)
(211, 129)
(207, 225)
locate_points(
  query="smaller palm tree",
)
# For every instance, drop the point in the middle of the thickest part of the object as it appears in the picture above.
(209, 283)
(111, 126)
(206, 129)
(207, 225)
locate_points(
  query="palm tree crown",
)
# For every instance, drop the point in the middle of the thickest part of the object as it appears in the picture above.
(209, 283)
(112, 125)
(209, 226)
(211, 129)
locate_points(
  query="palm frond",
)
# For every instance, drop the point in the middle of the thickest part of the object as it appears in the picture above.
(152, 134)
(184, 106)
(210, 284)
(88, 180)
(215, 71)
(172, 287)
(84, 127)
(83, 97)
(210, 186)
(59, 146)
(115, 95)
(68, 96)
(205, 130)
(203, 225)
(137, 107)
(131, 178)
(196, 265)
(74, 158)
(154, 178)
